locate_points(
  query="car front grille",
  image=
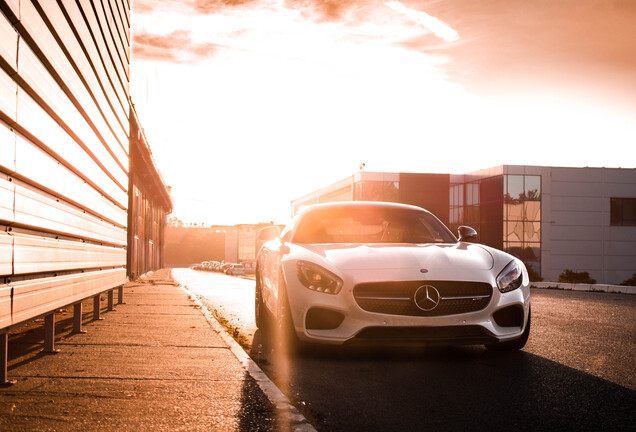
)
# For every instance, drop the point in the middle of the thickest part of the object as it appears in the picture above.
(398, 298)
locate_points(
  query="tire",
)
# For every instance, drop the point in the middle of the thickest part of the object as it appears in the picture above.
(260, 311)
(513, 345)
(286, 340)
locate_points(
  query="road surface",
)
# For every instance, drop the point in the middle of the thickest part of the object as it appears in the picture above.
(577, 372)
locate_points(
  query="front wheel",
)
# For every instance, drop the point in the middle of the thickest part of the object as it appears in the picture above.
(286, 340)
(513, 345)
(260, 312)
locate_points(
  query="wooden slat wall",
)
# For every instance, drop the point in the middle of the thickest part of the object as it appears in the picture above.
(64, 152)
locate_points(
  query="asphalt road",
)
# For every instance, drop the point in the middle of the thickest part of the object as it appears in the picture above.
(577, 372)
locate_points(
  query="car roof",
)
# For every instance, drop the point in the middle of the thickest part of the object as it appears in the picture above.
(367, 204)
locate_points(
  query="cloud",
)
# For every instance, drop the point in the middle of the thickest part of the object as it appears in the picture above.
(178, 46)
(321, 10)
(329, 10)
(435, 25)
(151, 6)
(579, 46)
(205, 7)
(212, 6)
(495, 46)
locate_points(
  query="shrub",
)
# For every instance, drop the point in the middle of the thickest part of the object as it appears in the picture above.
(630, 282)
(571, 276)
(533, 274)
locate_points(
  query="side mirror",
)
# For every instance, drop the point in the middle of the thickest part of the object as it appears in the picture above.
(268, 233)
(467, 234)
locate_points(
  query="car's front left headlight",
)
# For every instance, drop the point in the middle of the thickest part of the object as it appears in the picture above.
(510, 278)
(316, 278)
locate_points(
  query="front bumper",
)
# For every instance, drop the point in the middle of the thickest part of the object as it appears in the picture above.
(503, 318)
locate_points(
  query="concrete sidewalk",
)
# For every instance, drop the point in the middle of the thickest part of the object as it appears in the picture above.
(154, 363)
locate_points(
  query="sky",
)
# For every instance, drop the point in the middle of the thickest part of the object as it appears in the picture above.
(249, 104)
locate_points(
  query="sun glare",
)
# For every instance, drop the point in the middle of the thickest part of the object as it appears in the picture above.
(288, 104)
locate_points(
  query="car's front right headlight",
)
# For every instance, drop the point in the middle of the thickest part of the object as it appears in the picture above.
(510, 278)
(316, 278)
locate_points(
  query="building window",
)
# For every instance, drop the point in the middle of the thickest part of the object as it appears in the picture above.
(508, 203)
(467, 208)
(456, 200)
(623, 211)
(522, 218)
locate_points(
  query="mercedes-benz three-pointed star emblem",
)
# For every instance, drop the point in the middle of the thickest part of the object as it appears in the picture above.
(427, 298)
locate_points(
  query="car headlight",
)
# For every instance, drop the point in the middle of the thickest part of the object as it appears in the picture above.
(317, 278)
(510, 278)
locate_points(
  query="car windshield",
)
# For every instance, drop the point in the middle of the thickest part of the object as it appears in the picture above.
(370, 224)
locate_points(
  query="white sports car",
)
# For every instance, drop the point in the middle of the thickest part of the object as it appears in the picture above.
(360, 271)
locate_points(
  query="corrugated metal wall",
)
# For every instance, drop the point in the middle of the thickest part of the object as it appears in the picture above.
(64, 143)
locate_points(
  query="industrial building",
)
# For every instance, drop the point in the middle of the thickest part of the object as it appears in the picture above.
(242, 243)
(82, 204)
(553, 218)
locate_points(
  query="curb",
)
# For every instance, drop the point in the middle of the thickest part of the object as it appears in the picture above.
(616, 289)
(284, 408)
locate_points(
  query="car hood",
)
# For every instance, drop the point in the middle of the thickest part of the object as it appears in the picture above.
(406, 256)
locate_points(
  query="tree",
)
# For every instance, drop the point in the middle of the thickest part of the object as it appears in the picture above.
(533, 274)
(175, 222)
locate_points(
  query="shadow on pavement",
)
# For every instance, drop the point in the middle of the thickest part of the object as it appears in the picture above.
(27, 342)
(414, 387)
(256, 413)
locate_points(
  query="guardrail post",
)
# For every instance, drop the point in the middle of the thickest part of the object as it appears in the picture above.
(120, 295)
(4, 353)
(49, 333)
(111, 299)
(96, 307)
(77, 318)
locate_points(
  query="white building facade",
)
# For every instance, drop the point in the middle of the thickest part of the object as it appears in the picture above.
(589, 222)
